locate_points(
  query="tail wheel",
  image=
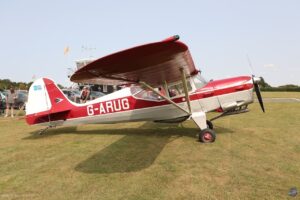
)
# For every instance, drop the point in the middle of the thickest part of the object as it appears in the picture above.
(207, 136)
(209, 124)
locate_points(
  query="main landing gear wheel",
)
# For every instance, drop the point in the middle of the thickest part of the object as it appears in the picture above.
(209, 124)
(207, 135)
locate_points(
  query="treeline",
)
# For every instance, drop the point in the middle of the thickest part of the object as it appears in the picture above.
(264, 86)
(6, 84)
(283, 88)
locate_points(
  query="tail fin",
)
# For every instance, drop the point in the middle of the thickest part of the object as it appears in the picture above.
(45, 102)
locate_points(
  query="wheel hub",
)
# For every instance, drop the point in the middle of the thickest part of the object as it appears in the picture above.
(207, 136)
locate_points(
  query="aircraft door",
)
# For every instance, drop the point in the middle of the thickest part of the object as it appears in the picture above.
(207, 99)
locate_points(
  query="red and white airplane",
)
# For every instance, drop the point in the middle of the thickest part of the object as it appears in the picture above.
(163, 86)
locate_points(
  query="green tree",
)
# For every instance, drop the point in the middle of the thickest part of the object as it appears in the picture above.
(263, 83)
(60, 86)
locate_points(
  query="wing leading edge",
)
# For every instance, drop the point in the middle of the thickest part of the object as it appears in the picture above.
(153, 63)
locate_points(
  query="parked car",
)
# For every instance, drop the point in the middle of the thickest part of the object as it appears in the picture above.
(2, 103)
(73, 95)
(22, 96)
(5, 93)
(95, 95)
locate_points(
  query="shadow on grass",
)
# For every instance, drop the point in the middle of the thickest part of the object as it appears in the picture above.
(147, 128)
(52, 132)
(129, 154)
(137, 150)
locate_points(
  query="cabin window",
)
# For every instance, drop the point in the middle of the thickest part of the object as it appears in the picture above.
(145, 94)
(105, 88)
(135, 89)
(148, 95)
(177, 89)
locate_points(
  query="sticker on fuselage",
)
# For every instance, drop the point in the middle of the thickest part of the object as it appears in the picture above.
(37, 87)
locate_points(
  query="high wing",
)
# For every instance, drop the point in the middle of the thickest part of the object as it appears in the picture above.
(153, 63)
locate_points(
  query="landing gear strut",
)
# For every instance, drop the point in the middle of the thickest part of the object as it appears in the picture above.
(42, 131)
(207, 134)
(209, 124)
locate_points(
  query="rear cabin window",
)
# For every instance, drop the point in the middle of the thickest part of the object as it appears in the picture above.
(148, 95)
(135, 89)
(173, 91)
(145, 94)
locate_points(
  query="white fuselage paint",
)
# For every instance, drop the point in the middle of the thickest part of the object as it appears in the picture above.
(38, 98)
(164, 112)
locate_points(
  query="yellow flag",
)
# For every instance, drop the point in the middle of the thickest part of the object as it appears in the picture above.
(66, 50)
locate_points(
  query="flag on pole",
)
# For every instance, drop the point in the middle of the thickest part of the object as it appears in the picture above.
(66, 50)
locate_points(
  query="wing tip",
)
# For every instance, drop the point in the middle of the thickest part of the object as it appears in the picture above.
(172, 38)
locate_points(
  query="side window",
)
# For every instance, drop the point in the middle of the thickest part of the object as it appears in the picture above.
(148, 95)
(145, 94)
(105, 88)
(177, 89)
(135, 89)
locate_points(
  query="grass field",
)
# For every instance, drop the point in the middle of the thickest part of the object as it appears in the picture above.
(255, 156)
(281, 95)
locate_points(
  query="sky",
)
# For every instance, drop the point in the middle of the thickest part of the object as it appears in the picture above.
(220, 35)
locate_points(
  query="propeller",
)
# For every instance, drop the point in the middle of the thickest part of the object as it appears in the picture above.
(256, 80)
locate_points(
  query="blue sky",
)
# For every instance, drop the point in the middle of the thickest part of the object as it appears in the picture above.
(219, 34)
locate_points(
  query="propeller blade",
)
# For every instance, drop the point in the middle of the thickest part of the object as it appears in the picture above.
(259, 97)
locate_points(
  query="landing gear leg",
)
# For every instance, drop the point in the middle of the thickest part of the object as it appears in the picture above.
(42, 131)
(206, 135)
(209, 124)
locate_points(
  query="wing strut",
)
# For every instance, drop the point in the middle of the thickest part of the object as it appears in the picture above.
(164, 97)
(185, 89)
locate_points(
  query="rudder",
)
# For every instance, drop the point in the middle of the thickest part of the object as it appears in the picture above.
(46, 102)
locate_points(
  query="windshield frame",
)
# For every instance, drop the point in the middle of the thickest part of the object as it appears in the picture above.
(199, 81)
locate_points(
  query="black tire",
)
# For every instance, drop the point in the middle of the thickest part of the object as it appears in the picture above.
(207, 136)
(209, 124)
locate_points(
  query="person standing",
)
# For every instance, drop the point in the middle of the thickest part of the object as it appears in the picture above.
(85, 95)
(2, 108)
(10, 102)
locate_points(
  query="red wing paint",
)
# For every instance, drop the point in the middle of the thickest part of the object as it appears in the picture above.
(225, 86)
(152, 63)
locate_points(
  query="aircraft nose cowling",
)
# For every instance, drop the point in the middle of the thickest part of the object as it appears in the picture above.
(234, 84)
(230, 92)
